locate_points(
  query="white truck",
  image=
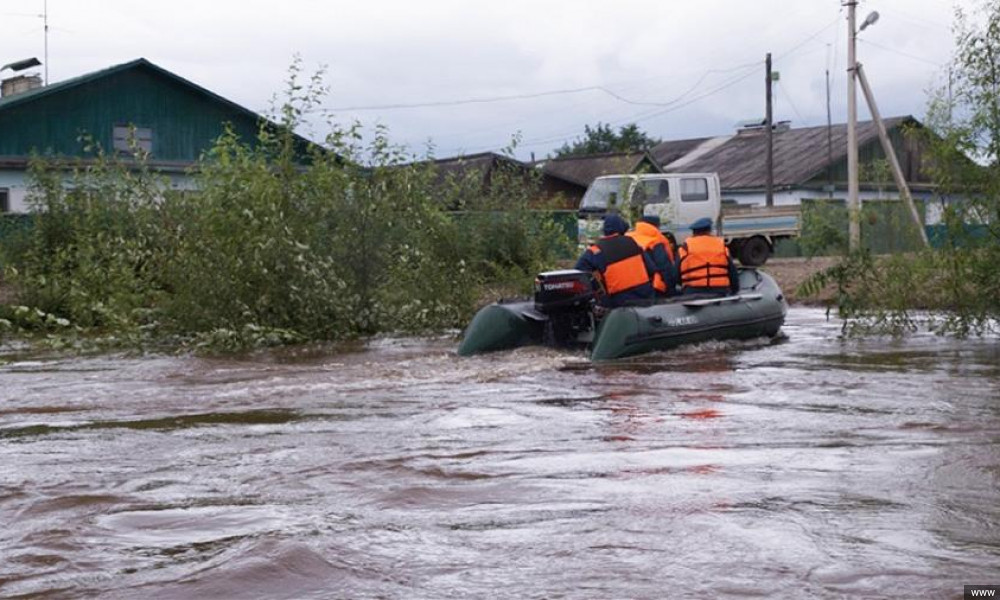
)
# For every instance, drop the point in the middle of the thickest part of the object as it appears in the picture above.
(680, 199)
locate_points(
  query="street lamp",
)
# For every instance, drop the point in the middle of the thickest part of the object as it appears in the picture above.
(871, 19)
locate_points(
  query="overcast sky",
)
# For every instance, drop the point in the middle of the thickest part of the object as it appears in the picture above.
(680, 69)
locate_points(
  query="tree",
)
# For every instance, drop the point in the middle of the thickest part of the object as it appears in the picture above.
(967, 123)
(959, 278)
(602, 138)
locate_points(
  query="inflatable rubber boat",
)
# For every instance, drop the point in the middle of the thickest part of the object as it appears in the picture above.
(563, 314)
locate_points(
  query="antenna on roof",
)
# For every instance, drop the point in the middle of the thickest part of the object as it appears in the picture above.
(45, 19)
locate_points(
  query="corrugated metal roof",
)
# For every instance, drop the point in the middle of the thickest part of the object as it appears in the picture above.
(484, 164)
(582, 170)
(667, 152)
(799, 154)
(59, 86)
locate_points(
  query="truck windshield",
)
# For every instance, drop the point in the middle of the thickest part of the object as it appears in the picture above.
(604, 194)
(652, 191)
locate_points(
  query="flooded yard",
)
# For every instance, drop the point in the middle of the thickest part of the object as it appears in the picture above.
(806, 466)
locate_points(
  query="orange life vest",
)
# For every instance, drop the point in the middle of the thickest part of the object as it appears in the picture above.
(704, 262)
(625, 267)
(648, 236)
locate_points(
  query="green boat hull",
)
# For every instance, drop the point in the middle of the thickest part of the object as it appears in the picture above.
(758, 310)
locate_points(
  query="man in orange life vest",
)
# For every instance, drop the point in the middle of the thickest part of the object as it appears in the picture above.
(620, 266)
(704, 264)
(647, 234)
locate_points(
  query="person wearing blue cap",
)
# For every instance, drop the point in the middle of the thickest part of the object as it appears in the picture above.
(620, 267)
(704, 264)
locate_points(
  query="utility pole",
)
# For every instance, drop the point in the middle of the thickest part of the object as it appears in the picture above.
(829, 139)
(853, 202)
(951, 101)
(897, 172)
(770, 137)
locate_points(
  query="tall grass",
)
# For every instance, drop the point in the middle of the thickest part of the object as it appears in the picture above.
(277, 245)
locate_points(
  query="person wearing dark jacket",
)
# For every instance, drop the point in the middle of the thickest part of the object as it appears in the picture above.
(619, 265)
(704, 264)
(647, 234)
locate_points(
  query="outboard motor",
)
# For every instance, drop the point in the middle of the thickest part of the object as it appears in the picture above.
(566, 297)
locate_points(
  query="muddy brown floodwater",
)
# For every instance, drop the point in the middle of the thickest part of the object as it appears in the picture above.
(805, 467)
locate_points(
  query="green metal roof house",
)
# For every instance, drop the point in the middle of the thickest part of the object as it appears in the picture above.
(175, 120)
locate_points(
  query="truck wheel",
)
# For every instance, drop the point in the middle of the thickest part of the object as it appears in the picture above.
(735, 247)
(755, 251)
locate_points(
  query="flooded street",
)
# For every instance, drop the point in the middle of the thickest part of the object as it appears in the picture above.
(806, 467)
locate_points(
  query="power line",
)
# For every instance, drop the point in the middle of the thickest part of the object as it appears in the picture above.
(470, 100)
(631, 118)
(809, 39)
(784, 93)
(670, 106)
(677, 106)
(23, 32)
(901, 53)
(489, 99)
(711, 92)
(913, 19)
(649, 115)
(636, 117)
(591, 88)
(705, 75)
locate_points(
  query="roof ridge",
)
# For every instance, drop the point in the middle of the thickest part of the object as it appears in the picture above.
(599, 155)
(143, 63)
(906, 117)
(58, 86)
(490, 153)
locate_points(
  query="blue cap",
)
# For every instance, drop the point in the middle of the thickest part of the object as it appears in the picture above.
(703, 223)
(651, 219)
(614, 224)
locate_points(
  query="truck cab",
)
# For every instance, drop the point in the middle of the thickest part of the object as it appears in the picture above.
(680, 199)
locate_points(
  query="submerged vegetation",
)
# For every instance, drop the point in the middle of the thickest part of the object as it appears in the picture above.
(276, 245)
(955, 286)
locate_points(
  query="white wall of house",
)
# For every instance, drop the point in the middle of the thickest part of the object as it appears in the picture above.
(15, 183)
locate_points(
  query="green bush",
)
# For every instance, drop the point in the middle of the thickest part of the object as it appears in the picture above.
(279, 244)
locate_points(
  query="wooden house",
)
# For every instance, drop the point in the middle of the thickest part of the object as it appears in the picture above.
(809, 162)
(485, 170)
(167, 116)
(584, 169)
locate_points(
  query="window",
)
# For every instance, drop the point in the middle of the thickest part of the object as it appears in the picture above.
(656, 191)
(694, 190)
(4, 200)
(121, 140)
(604, 193)
(639, 196)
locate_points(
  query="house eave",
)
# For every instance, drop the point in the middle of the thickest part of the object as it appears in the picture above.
(21, 163)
